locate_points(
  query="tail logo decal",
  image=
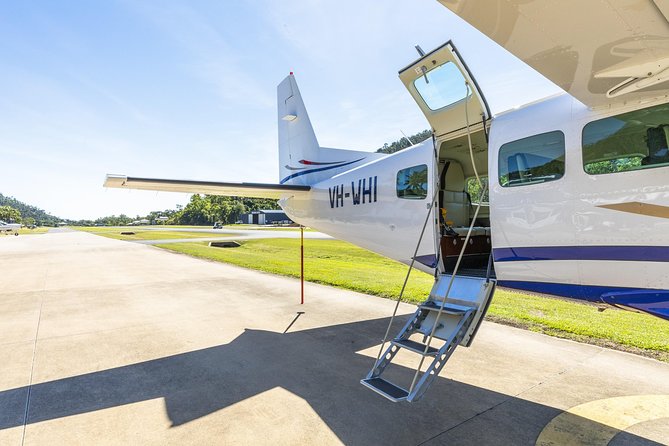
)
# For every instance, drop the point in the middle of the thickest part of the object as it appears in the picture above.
(306, 170)
(311, 163)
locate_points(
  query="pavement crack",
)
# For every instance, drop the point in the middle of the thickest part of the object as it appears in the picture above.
(494, 406)
(548, 379)
(552, 377)
(32, 363)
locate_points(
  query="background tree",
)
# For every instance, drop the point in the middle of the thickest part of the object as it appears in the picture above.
(41, 217)
(403, 143)
(208, 209)
(9, 214)
(474, 189)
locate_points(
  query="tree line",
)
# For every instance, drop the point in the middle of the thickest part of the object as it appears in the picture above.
(208, 209)
(405, 142)
(15, 211)
(200, 210)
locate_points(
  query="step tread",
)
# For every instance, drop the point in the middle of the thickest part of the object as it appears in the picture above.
(415, 346)
(449, 308)
(386, 389)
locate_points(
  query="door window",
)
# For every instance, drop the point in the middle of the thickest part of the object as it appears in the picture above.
(441, 86)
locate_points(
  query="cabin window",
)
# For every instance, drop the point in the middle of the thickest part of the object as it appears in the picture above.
(444, 86)
(412, 182)
(532, 160)
(631, 141)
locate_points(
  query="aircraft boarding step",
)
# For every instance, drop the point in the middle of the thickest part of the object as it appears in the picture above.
(450, 316)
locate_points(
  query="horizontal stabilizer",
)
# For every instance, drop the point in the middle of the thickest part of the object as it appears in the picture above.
(253, 190)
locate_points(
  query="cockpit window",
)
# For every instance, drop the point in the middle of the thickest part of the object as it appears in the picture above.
(631, 141)
(444, 86)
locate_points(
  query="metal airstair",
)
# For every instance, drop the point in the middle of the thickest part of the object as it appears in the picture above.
(451, 315)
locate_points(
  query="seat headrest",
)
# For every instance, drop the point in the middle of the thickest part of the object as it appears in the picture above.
(455, 177)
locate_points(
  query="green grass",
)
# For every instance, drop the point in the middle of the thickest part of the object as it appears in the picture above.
(268, 227)
(139, 234)
(330, 262)
(40, 230)
(26, 231)
(343, 265)
(614, 328)
(168, 227)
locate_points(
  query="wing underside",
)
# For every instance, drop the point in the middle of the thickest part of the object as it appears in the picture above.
(601, 52)
(253, 190)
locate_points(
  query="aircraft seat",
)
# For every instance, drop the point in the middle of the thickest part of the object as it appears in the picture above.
(458, 206)
(454, 199)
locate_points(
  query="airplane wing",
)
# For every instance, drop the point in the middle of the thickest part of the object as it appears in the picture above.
(254, 190)
(601, 52)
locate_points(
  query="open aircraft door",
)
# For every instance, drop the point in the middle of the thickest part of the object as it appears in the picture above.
(446, 92)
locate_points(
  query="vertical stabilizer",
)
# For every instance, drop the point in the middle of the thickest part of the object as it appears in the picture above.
(298, 146)
(301, 160)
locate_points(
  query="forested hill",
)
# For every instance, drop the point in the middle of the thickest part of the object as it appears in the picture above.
(403, 143)
(27, 211)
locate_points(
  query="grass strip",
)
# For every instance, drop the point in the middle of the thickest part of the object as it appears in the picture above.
(152, 234)
(341, 264)
(26, 231)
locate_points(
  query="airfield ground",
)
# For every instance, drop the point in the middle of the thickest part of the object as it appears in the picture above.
(337, 263)
(108, 342)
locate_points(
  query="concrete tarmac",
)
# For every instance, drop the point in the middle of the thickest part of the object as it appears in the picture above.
(110, 342)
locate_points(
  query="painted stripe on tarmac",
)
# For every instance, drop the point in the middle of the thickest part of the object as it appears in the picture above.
(598, 422)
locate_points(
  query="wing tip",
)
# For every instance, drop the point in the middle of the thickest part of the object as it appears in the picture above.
(113, 180)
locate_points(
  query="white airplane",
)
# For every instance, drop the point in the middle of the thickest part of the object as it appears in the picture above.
(579, 182)
(10, 227)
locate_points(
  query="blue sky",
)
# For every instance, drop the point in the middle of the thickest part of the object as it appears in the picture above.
(187, 89)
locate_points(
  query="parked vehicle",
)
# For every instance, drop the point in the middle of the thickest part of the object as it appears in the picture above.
(9, 227)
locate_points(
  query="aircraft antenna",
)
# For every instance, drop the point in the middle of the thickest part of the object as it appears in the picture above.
(421, 53)
(411, 143)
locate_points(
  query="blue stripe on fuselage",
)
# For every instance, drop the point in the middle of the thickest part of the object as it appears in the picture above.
(615, 253)
(652, 301)
(298, 174)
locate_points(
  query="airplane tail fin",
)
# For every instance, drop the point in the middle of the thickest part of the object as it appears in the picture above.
(297, 140)
(301, 160)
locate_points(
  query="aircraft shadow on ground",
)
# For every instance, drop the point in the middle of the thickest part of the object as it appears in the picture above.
(319, 365)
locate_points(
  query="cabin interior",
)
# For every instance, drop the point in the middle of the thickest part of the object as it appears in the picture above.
(459, 195)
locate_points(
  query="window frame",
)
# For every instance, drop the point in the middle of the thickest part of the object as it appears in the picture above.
(639, 169)
(449, 63)
(531, 183)
(427, 183)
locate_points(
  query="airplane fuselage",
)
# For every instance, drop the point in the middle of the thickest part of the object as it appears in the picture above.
(601, 237)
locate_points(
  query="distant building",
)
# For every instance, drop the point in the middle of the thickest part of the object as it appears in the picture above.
(266, 217)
